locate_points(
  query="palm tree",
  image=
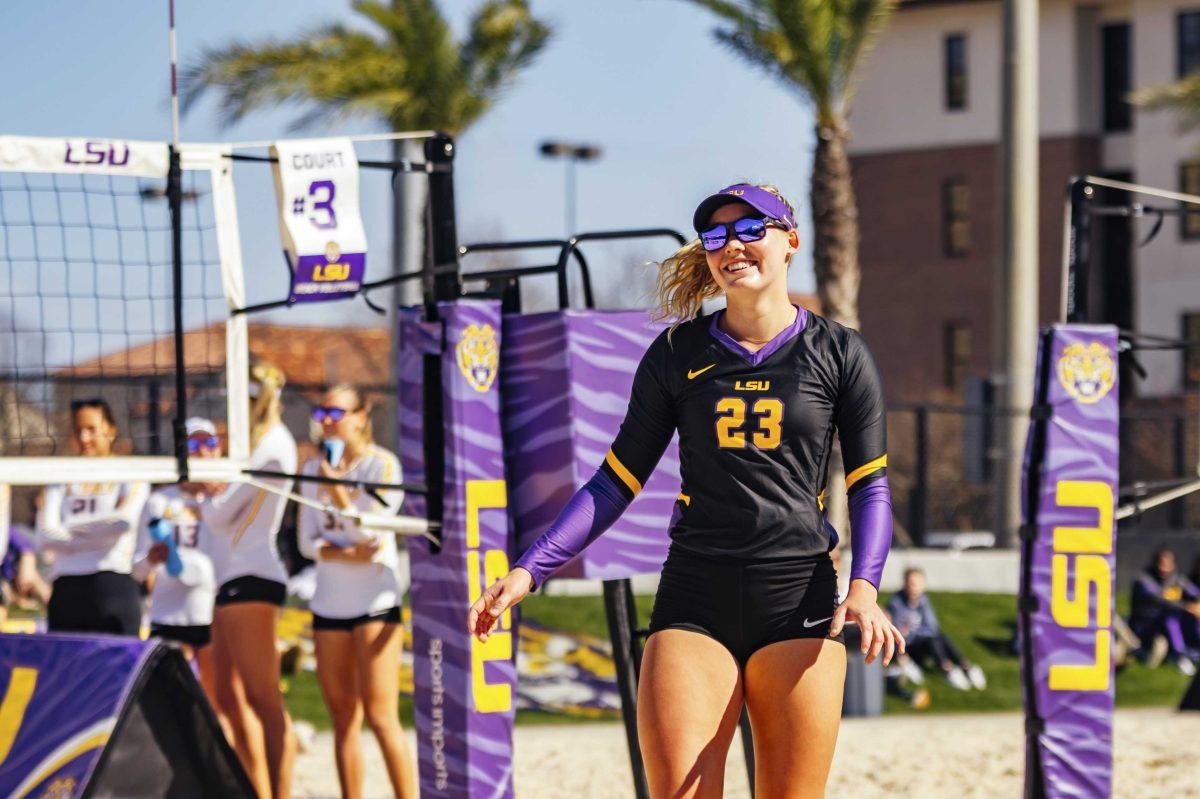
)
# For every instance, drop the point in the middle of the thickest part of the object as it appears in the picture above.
(814, 46)
(404, 68)
(408, 70)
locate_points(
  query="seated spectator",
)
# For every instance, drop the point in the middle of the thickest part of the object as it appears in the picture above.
(913, 615)
(1165, 614)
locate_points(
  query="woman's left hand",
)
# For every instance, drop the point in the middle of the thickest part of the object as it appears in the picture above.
(878, 632)
(328, 471)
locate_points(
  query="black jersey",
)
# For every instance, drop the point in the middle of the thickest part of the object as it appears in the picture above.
(755, 431)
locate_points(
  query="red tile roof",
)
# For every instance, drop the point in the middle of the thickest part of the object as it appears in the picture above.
(307, 355)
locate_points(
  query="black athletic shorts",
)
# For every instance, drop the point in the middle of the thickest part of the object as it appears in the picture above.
(196, 636)
(746, 605)
(104, 602)
(251, 589)
(389, 616)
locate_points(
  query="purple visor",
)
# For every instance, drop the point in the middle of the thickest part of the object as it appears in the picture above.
(759, 199)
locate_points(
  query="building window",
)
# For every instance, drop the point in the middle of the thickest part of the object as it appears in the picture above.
(956, 222)
(956, 72)
(1187, 42)
(956, 353)
(1191, 355)
(1116, 71)
(1189, 183)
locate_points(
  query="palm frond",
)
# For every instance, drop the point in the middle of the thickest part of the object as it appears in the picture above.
(504, 38)
(407, 68)
(1182, 97)
(813, 46)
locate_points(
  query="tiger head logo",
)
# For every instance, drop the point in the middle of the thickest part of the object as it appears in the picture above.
(1087, 371)
(478, 356)
(60, 788)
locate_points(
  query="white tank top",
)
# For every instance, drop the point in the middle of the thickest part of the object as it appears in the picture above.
(186, 600)
(87, 528)
(245, 520)
(347, 590)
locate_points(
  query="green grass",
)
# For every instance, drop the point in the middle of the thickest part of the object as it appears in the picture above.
(981, 625)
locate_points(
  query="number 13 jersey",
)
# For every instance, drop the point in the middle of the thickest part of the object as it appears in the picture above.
(755, 433)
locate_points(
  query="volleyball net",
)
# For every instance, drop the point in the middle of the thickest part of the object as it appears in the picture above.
(119, 262)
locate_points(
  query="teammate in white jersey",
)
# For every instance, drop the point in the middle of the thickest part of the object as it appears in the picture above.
(171, 555)
(87, 533)
(244, 522)
(361, 577)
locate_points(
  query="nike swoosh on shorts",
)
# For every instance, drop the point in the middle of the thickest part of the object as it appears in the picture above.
(808, 623)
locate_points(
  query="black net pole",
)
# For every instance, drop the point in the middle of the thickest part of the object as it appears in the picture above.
(175, 202)
(443, 281)
(620, 609)
(1079, 251)
(440, 282)
(1027, 602)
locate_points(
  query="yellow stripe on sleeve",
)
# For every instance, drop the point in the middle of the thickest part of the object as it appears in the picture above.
(821, 500)
(258, 501)
(626, 476)
(865, 469)
(686, 499)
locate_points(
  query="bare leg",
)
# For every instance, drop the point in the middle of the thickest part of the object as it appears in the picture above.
(243, 728)
(337, 670)
(377, 647)
(206, 666)
(689, 700)
(794, 696)
(252, 648)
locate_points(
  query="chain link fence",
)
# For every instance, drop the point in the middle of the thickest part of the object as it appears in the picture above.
(941, 461)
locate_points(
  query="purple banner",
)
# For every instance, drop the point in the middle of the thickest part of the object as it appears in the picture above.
(329, 276)
(1069, 565)
(61, 698)
(464, 690)
(567, 377)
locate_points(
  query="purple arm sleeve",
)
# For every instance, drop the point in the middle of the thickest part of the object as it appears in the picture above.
(589, 513)
(871, 528)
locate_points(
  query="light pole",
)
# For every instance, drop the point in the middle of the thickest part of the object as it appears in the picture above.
(1017, 309)
(573, 153)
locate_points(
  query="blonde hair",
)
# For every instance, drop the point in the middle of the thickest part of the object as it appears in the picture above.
(266, 410)
(684, 280)
(367, 434)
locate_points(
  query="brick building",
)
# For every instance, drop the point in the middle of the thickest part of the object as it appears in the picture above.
(925, 157)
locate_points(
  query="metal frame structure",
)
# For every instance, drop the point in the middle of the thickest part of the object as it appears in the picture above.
(157, 160)
(1080, 209)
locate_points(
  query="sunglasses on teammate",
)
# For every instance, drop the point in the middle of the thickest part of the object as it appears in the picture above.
(201, 436)
(323, 412)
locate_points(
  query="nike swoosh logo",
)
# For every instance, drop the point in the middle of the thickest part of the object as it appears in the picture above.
(808, 623)
(699, 372)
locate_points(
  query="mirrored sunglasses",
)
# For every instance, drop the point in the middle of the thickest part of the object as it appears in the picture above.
(197, 443)
(321, 413)
(748, 228)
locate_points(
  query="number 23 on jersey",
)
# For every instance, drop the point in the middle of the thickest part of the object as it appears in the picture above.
(765, 428)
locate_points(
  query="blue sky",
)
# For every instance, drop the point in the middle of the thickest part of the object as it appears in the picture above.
(677, 116)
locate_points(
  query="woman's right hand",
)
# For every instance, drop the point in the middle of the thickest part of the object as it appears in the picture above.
(497, 598)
